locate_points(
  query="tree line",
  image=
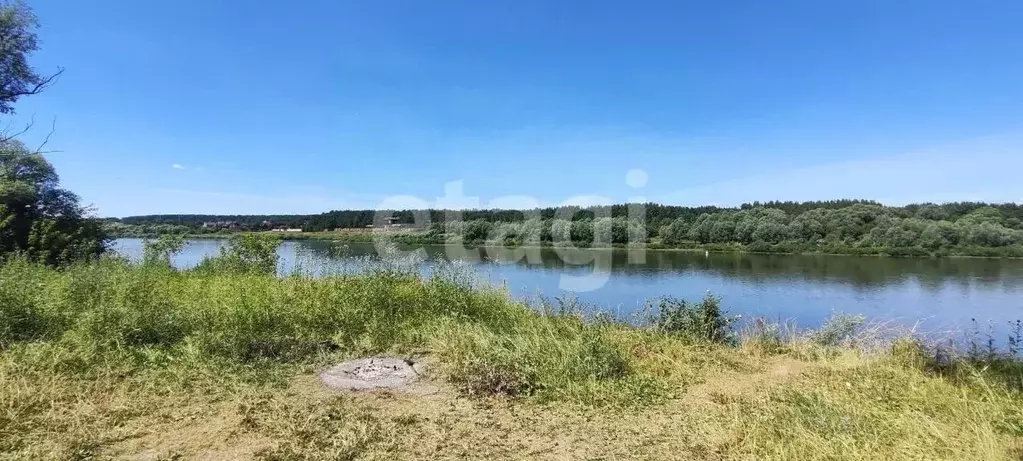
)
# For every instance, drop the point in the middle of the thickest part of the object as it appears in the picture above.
(928, 227)
(654, 215)
(839, 225)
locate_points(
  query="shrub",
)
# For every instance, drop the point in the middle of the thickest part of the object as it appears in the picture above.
(160, 251)
(765, 337)
(704, 321)
(247, 253)
(838, 329)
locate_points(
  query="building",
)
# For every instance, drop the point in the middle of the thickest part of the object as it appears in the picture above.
(221, 225)
(387, 223)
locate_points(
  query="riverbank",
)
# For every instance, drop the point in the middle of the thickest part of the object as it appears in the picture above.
(422, 238)
(116, 360)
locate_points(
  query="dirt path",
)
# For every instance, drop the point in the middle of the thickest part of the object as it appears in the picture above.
(432, 421)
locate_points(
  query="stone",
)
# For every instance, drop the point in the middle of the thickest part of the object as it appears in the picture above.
(372, 373)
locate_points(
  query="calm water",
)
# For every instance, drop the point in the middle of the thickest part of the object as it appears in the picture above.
(944, 294)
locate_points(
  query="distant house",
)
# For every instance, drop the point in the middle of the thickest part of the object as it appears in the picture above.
(221, 225)
(388, 223)
(283, 229)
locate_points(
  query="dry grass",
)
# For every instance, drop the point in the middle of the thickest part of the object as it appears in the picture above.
(847, 407)
(225, 369)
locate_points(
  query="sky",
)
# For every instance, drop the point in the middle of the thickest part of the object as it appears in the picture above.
(239, 107)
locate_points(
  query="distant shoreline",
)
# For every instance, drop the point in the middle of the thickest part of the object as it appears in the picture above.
(841, 227)
(405, 238)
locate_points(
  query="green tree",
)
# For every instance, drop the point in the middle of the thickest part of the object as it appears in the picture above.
(477, 230)
(561, 231)
(761, 225)
(17, 42)
(983, 215)
(849, 224)
(508, 233)
(771, 232)
(675, 233)
(723, 229)
(932, 212)
(603, 231)
(37, 217)
(992, 235)
(582, 232)
(532, 231)
(939, 234)
(809, 226)
(700, 231)
(618, 230)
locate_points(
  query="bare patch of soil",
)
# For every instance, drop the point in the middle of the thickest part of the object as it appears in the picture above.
(373, 373)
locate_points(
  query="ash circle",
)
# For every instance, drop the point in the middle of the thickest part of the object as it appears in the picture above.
(371, 373)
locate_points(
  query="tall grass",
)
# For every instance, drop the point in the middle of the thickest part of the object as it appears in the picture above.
(91, 349)
(148, 315)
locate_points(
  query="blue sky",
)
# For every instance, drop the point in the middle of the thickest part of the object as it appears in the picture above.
(301, 107)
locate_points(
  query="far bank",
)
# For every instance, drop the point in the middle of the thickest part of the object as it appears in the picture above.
(412, 237)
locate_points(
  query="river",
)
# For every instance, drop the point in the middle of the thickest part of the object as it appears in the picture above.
(939, 294)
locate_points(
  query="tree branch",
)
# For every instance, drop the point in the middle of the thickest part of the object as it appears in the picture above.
(5, 135)
(40, 86)
(53, 127)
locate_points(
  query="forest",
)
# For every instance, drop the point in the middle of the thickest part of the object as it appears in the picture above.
(840, 226)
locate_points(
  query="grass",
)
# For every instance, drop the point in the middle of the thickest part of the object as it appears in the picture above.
(116, 360)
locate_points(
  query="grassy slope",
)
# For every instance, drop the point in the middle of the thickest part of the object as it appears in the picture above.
(111, 360)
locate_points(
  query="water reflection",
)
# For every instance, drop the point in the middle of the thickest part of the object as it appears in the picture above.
(858, 271)
(946, 293)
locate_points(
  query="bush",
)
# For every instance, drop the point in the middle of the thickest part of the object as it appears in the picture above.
(246, 253)
(838, 329)
(766, 337)
(703, 322)
(160, 251)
